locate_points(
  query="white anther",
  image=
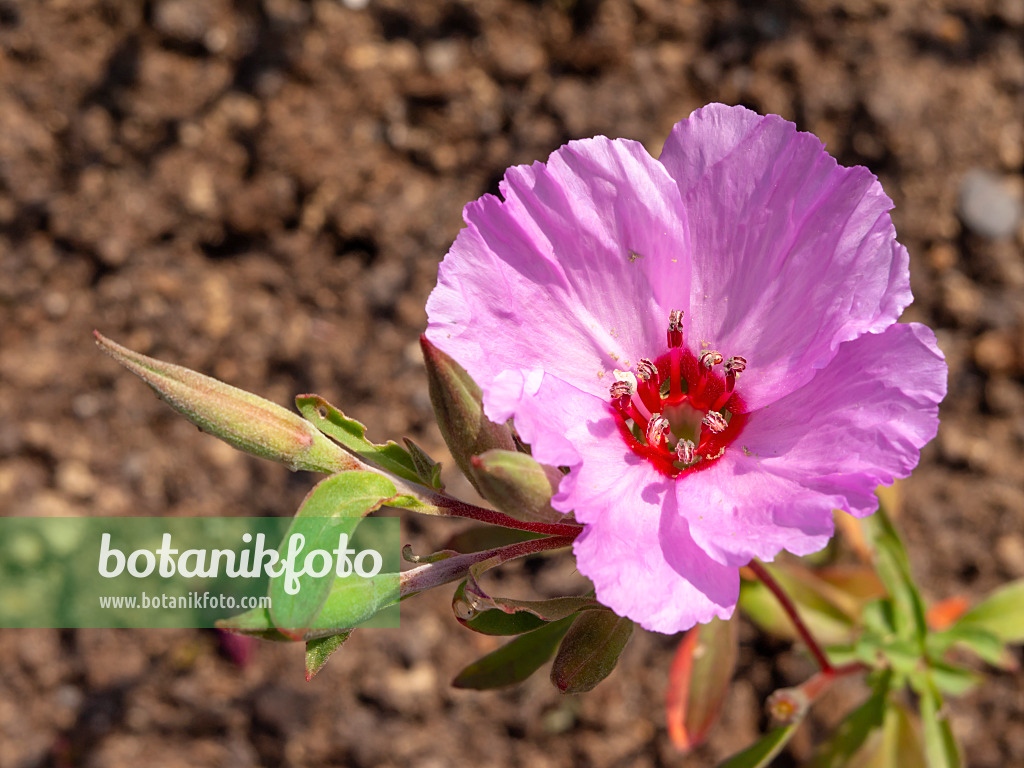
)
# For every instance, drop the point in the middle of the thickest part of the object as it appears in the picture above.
(685, 451)
(657, 428)
(715, 422)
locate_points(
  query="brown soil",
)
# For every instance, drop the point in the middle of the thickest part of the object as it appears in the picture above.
(263, 190)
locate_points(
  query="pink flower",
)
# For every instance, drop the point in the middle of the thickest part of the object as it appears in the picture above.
(708, 341)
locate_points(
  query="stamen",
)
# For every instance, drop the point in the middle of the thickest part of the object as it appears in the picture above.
(645, 369)
(709, 360)
(675, 328)
(715, 422)
(686, 451)
(621, 389)
(734, 366)
(657, 428)
(649, 385)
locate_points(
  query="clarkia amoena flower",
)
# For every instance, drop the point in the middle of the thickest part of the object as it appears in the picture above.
(706, 340)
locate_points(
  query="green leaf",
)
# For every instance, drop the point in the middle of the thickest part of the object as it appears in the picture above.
(353, 601)
(953, 679)
(855, 729)
(984, 644)
(514, 661)
(764, 751)
(1001, 613)
(318, 651)
(352, 434)
(590, 650)
(901, 740)
(893, 568)
(429, 471)
(939, 743)
(501, 616)
(699, 680)
(350, 603)
(333, 508)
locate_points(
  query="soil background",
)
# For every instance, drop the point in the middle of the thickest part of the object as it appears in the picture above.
(262, 191)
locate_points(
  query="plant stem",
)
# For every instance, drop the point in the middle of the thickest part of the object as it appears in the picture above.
(787, 605)
(456, 567)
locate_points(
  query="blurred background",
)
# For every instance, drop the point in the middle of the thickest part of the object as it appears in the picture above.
(262, 190)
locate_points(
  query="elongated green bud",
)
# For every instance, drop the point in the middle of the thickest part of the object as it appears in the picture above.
(241, 419)
(458, 405)
(518, 485)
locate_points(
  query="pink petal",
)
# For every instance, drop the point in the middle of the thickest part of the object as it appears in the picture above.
(792, 254)
(621, 553)
(736, 512)
(567, 274)
(860, 423)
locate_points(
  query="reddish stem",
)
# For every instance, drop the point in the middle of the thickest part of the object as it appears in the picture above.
(787, 605)
(456, 567)
(456, 508)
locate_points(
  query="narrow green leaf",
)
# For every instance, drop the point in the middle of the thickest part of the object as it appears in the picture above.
(318, 651)
(333, 508)
(764, 751)
(985, 644)
(902, 740)
(1001, 613)
(352, 434)
(939, 743)
(893, 568)
(514, 661)
(590, 650)
(953, 679)
(855, 729)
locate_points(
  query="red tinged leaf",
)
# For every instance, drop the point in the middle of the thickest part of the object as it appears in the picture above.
(945, 613)
(699, 680)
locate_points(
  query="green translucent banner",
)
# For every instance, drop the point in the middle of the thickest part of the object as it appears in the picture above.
(260, 573)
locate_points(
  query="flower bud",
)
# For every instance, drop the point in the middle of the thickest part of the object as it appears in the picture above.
(458, 404)
(239, 418)
(518, 485)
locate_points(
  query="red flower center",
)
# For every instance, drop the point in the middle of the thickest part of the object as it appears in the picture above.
(678, 412)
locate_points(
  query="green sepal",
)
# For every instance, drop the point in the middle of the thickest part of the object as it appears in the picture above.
(458, 405)
(241, 419)
(590, 650)
(352, 435)
(518, 485)
(515, 661)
